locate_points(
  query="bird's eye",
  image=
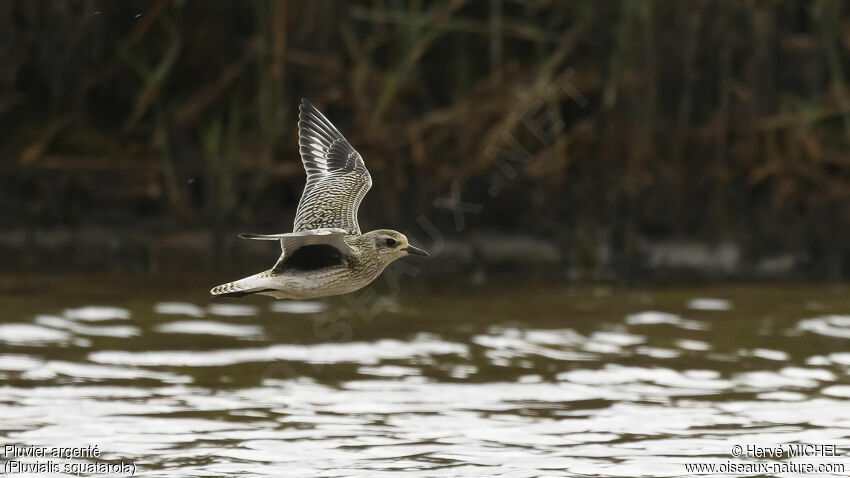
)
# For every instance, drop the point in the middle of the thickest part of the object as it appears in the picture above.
(391, 242)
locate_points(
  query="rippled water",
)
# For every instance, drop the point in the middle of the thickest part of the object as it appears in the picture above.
(500, 381)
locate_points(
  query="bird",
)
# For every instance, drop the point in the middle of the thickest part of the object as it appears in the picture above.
(325, 254)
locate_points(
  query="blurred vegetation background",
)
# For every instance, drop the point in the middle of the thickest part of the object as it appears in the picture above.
(714, 133)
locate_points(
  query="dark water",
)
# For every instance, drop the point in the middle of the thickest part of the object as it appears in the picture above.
(514, 381)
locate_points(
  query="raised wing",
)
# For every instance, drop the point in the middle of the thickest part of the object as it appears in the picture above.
(337, 179)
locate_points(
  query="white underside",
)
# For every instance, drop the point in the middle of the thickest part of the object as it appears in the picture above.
(294, 287)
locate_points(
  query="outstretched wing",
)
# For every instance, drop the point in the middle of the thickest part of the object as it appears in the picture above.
(308, 250)
(290, 242)
(337, 179)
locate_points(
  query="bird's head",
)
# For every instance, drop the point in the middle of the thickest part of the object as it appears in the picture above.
(390, 245)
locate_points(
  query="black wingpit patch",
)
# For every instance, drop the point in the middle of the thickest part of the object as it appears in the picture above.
(312, 257)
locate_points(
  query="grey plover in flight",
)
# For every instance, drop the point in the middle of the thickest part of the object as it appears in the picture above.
(326, 254)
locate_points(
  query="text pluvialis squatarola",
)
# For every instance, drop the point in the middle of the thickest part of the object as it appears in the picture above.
(325, 254)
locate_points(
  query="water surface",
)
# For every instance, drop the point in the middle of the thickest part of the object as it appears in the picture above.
(515, 381)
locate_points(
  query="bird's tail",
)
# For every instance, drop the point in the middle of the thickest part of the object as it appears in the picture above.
(250, 285)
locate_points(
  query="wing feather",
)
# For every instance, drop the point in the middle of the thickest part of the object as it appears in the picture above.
(290, 242)
(337, 178)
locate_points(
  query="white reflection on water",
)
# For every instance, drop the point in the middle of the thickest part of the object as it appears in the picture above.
(381, 371)
(652, 317)
(356, 352)
(657, 352)
(811, 373)
(297, 306)
(767, 354)
(696, 345)
(20, 334)
(705, 303)
(56, 368)
(96, 313)
(233, 310)
(617, 374)
(18, 363)
(178, 308)
(830, 325)
(837, 391)
(842, 358)
(208, 327)
(80, 329)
